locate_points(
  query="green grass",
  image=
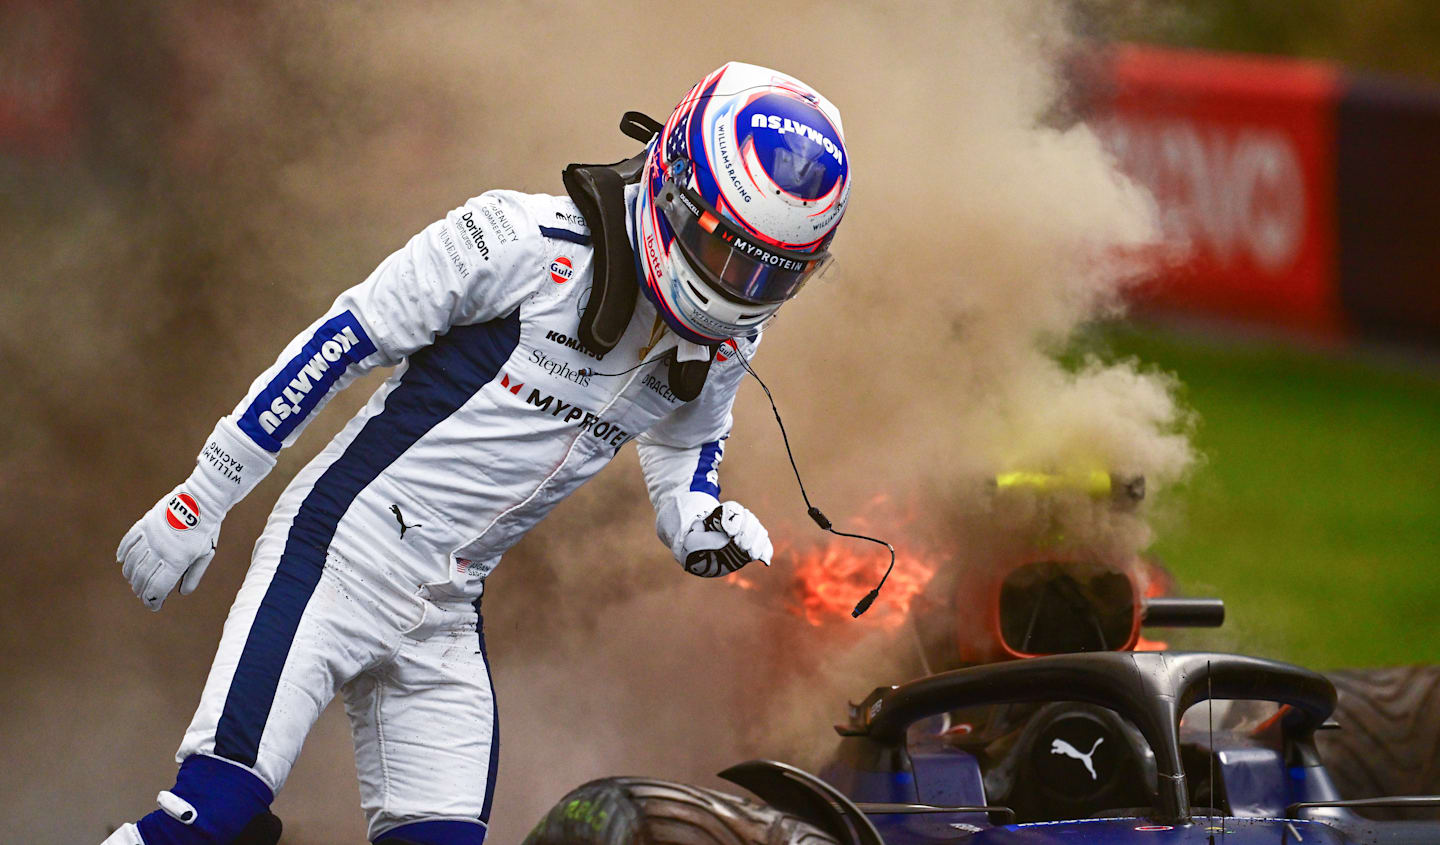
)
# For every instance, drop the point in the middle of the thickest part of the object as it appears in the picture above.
(1316, 515)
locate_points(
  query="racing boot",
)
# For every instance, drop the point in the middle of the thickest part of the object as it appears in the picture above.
(213, 802)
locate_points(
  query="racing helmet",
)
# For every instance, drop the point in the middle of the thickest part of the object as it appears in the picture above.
(740, 197)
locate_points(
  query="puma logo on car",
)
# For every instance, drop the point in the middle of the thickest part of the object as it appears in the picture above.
(395, 509)
(1064, 748)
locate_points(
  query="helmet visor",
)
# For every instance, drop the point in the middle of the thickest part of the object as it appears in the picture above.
(731, 260)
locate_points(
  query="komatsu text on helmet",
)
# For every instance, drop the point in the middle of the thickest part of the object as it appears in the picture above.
(740, 197)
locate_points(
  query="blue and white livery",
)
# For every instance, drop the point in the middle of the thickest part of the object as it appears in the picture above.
(744, 189)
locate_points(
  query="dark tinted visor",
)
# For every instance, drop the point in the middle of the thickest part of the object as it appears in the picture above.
(728, 258)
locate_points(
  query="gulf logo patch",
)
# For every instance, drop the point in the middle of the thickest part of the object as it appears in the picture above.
(182, 513)
(561, 270)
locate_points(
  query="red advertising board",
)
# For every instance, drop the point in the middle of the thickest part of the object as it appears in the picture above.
(1239, 153)
(39, 77)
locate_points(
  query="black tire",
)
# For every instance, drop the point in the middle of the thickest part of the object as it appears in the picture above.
(645, 811)
(1389, 737)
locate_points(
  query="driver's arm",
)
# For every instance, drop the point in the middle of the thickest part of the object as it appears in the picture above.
(680, 457)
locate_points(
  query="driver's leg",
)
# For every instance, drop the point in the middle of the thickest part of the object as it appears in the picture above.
(287, 645)
(427, 742)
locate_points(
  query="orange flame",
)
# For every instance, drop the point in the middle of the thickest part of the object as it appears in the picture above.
(829, 579)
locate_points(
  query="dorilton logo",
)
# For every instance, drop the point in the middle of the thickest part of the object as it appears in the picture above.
(785, 124)
(513, 387)
(571, 343)
(589, 423)
(182, 512)
(311, 375)
(559, 369)
(473, 230)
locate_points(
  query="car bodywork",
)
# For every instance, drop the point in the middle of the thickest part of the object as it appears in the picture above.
(901, 792)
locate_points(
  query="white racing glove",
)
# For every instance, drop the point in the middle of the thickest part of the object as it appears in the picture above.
(720, 538)
(175, 540)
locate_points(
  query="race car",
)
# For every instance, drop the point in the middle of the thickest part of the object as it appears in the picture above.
(1077, 730)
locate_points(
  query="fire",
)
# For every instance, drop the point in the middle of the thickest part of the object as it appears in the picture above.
(829, 579)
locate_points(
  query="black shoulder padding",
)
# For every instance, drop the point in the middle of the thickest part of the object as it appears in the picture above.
(687, 378)
(599, 193)
(598, 190)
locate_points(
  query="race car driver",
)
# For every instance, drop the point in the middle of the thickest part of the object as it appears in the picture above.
(368, 576)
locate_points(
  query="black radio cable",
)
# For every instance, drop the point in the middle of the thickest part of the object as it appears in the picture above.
(814, 512)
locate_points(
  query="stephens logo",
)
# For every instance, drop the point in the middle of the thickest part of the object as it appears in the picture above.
(561, 270)
(761, 254)
(182, 512)
(608, 433)
(559, 369)
(473, 230)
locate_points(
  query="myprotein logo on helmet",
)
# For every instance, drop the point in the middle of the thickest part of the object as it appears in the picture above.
(182, 513)
(760, 253)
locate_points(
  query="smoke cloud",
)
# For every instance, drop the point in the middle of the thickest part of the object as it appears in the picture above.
(239, 165)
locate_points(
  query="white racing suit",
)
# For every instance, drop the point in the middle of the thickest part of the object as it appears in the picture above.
(368, 576)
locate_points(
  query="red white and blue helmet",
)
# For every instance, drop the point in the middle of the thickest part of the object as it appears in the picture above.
(741, 195)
